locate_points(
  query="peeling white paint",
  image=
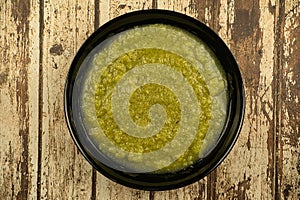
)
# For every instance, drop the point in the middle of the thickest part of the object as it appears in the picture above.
(104, 14)
(290, 147)
(226, 20)
(231, 13)
(207, 16)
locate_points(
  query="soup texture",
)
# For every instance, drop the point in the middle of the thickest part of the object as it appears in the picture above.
(154, 99)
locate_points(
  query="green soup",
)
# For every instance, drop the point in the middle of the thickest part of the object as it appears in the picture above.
(154, 99)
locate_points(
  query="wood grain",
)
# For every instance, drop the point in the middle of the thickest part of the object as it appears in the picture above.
(252, 42)
(64, 172)
(38, 40)
(19, 41)
(119, 7)
(201, 189)
(289, 110)
(107, 189)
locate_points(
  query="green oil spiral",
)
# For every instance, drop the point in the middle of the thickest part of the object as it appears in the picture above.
(148, 95)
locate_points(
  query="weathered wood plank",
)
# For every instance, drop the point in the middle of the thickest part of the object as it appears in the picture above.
(209, 12)
(33, 85)
(119, 7)
(110, 9)
(182, 6)
(248, 171)
(226, 20)
(18, 98)
(64, 172)
(289, 110)
(107, 189)
(198, 190)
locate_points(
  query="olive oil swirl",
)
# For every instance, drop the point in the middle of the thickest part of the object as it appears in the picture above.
(148, 95)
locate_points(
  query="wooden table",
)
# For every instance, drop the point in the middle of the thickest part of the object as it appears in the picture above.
(37, 43)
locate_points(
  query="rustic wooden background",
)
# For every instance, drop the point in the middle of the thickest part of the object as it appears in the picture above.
(38, 40)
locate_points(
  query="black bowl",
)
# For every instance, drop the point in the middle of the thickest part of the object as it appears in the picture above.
(153, 181)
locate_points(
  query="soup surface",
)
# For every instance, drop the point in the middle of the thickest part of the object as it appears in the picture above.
(154, 99)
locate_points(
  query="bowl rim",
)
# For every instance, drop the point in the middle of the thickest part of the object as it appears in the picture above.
(233, 74)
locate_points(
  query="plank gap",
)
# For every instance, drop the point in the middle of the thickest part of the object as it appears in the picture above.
(96, 26)
(278, 77)
(94, 184)
(211, 185)
(40, 97)
(151, 195)
(97, 14)
(154, 4)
